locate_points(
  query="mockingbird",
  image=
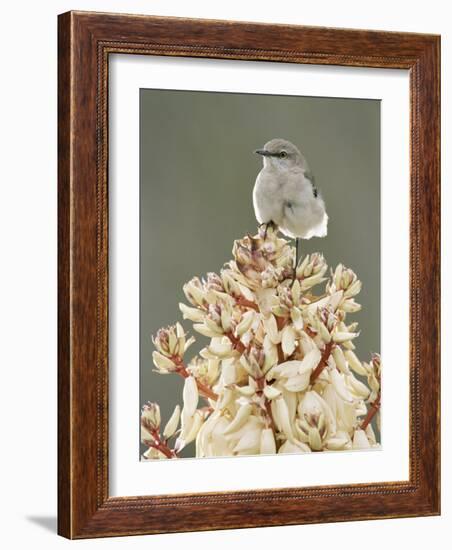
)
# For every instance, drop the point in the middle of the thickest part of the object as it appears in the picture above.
(285, 194)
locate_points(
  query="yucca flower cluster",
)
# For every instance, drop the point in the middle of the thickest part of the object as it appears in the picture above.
(278, 373)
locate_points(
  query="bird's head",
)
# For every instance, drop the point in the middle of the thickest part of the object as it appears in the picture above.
(281, 154)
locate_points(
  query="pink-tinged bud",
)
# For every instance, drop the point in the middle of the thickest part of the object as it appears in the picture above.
(170, 341)
(150, 416)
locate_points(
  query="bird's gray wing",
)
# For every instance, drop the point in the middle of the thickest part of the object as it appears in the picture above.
(310, 176)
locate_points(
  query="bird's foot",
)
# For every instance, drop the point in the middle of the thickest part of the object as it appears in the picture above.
(271, 224)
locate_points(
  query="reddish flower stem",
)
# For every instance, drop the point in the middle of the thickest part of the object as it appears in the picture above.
(204, 390)
(236, 342)
(163, 449)
(280, 323)
(268, 410)
(373, 409)
(160, 445)
(241, 301)
(322, 363)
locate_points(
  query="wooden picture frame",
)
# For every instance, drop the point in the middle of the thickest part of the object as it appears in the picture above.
(85, 42)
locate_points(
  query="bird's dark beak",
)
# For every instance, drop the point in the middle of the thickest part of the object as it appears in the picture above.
(263, 152)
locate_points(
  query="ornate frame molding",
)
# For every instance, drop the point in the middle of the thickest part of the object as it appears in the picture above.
(85, 42)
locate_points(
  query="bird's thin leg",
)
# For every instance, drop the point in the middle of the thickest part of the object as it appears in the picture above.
(297, 257)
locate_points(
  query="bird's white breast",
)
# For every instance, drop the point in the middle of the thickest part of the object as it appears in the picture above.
(287, 199)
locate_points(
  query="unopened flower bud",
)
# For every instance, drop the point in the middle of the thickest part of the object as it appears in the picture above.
(150, 416)
(173, 422)
(190, 395)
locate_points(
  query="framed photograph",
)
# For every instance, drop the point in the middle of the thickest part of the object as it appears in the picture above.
(248, 275)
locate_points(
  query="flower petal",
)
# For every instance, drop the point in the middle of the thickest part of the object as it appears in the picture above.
(240, 419)
(288, 340)
(164, 364)
(267, 443)
(360, 440)
(340, 387)
(190, 395)
(355, 363)
(173, 422)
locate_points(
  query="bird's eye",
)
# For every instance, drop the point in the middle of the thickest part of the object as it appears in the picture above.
(282, 155)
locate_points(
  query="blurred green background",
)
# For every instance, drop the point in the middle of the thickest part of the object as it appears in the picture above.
(197, 171)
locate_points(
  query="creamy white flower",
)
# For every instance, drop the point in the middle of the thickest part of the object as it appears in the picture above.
(350, 306)
(249, 442)
(296, 292)
(343, 337)
(150, 416)
(353, 289)
(214, 325)
(313, 405)
(306, 343)
(337, 443)
(218, 349)
(284, 370)
(297, 383)
(192, 313)
(371, 435)
(288, 341)
(230, 284)
(145, 435)
(338, 382)
(271, 392)
(264, 297)
(297, 318)
(172, 424)
(246, 391)
(240, 418)
(315, 439)
(281, 417)
(360, 408)
(164, 364)
(267, 443)
(256, 401)
(309, 282)
(355, 363)
(343, 412)
(340, 360)
(331, 301)
(245, 323)
(323, 331)
(291, 400)
(360, 390)
(211, 440)
(360, 440)
(198, 419)
(205, 330)
(292, 447)
(190, 428)
(227, 396)
(153, 453)
(296, 368)
(271, 354)
(190, 395)
(194, 292)
(271, 329)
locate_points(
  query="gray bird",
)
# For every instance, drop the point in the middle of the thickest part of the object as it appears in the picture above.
(285, 194)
